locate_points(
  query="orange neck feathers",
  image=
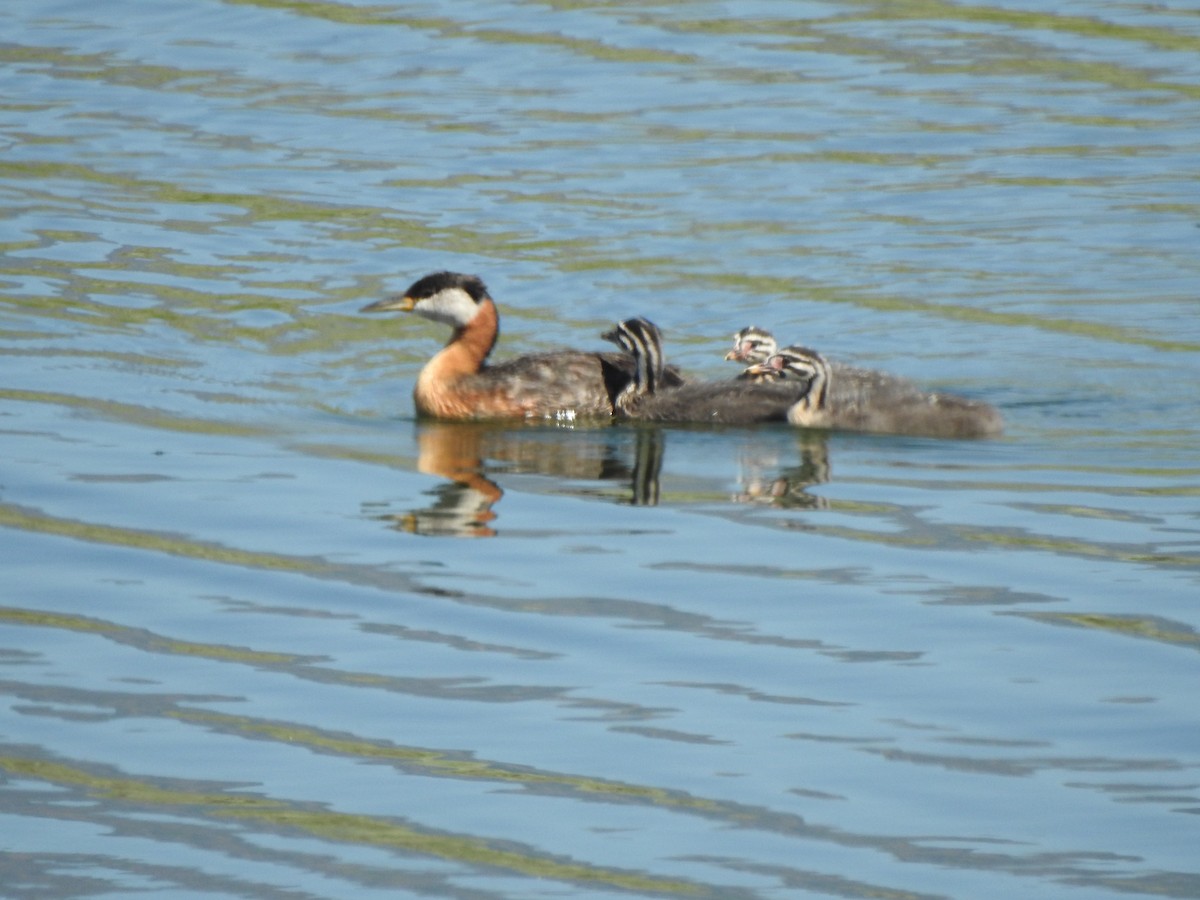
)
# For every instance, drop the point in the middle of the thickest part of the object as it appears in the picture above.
(464, 355)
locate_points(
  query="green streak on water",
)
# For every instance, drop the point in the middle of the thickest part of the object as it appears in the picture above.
(36, 522)
(796, 289)
(314, 821)
(1149, 627)
(439, 763)
(134, 414)
(145, 640)
(939, 11)
(1015, 51)
(1083, 26)
(455, 28)
(1008, 540)
(355, 224)
(296, 666)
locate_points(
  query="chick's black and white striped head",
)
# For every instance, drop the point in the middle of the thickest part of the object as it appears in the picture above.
(800, 364)
(641, 339)
(634, 336)
(448, 297)
(796, 362)
(752, 345)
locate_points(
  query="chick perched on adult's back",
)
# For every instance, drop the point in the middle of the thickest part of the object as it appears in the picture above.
(752, 345)
(459, 383)
(735, 402)
(755, 345)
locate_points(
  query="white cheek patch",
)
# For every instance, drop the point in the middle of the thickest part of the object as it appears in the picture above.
(452, 306)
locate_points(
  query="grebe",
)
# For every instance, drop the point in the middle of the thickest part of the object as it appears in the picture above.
(891, 406)
(738, 402)
(457, 383)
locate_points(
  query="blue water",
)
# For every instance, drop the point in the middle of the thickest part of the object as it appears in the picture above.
(264, 635)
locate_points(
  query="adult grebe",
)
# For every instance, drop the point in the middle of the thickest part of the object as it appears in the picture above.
(886, 405)
(457, 383)
(736, 402)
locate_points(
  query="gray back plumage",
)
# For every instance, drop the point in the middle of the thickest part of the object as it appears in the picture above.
(851, 399)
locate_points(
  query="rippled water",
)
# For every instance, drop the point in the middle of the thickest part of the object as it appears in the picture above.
(263, 635)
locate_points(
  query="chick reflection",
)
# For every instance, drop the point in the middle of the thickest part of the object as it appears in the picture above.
(762, 479)
(464, 453)
(647, 466)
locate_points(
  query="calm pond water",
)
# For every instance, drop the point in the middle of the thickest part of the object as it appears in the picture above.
(263, 635)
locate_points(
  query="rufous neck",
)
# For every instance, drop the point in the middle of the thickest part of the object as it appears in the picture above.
(478, 336)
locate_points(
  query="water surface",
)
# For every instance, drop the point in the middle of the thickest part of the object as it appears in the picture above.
(264, 635)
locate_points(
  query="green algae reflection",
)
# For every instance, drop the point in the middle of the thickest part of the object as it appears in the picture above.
(318, 822)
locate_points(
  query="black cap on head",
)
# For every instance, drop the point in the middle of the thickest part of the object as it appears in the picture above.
(440, 281)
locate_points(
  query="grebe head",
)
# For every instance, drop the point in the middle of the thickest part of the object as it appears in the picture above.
(752, 345)
(448, 297)
(794, 362)
(635, 336)
(642, 340)
(798, 364)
